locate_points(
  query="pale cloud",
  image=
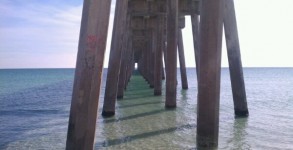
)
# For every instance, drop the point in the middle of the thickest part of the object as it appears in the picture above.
(37, 33)
(46, 35)
(265, 33)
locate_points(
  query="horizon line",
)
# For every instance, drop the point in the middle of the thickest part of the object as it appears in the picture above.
(107, 67)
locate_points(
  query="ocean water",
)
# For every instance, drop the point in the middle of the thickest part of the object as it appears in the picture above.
(34, 110)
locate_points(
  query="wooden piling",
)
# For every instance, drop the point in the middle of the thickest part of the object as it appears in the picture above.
(195, 33)
(158, 56)
(182, 60)
(211, 26)
(124, 61)
(88, 74)
(234, 58)
(144, 62)
(131, 62)
(122, 74)
(165, 56)
(152, 46)
(163, 72)
(115, 58)
(171, 52)
(148, 61)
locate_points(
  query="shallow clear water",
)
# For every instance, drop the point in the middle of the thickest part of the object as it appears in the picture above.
(34, 109)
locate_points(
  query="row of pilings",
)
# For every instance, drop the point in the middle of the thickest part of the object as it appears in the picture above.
(149, 33)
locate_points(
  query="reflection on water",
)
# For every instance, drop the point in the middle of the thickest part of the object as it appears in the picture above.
(239, 134)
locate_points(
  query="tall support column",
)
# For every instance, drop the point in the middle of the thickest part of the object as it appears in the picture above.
(147, 60)
(158, 56)
(195, 33)
(144, 62)
(124, 61)
(130, 63)
(164, 45)
(211, 28)
(152, 46)
(115, 58)
(122, 74)
(165, 56)
(182, 60)
(88, 73)
(163, 71)
(171, 52)
(234, 57)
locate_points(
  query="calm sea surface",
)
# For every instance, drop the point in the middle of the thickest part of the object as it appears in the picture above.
(34, 110)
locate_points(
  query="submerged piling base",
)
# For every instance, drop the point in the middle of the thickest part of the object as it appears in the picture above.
(239, 113)
(108, 114)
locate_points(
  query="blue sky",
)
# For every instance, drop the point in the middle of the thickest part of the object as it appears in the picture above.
(38, 34)
(44, 33)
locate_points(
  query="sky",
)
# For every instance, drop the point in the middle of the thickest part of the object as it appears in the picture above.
(44, 34)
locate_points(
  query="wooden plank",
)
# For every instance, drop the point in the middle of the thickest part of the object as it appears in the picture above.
(115, 58)
(171, 52)
(182, 60)
(188, 7)
(211, 28)
(88, 74)
(234, 57)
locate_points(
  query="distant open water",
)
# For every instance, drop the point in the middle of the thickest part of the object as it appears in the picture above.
(35, 103)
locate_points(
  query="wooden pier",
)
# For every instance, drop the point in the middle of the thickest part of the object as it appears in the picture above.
(148, 33)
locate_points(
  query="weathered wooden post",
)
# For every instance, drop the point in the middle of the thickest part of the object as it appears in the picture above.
(131, 63)
(159, 56)
(234, 58)
(124, 61)
(163, 71)
(88, 73)
(171, 52)
(182, 60)
(211, 28)
(195, 33)
(144, 62)
(148, 59)
(115, 58)
(122, 74)
(151, 50)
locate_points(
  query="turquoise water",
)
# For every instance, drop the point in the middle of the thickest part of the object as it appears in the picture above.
(34, 109)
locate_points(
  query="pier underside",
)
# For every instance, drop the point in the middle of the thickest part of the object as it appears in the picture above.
(147, 33)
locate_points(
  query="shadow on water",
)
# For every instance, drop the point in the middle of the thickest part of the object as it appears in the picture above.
(136, 97)
(139, 104)
(135, 116)
(130, 138)
(138, 93)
